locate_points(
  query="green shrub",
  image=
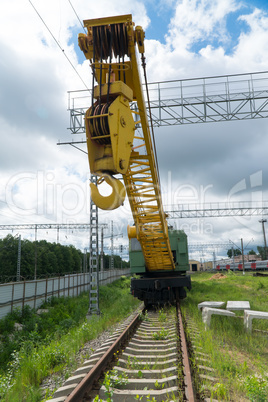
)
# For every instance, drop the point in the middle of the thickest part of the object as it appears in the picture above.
(49, 342)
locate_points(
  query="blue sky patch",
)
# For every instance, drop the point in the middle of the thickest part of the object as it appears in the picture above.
(74, 40)
(234, 28)
(160, 20)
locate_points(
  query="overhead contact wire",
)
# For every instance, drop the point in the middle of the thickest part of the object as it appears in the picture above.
(58, 45)
(77, 16)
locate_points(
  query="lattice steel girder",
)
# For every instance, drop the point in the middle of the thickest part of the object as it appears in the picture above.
(200, 100)
(208, 246)
(216, 211)
(81, 226)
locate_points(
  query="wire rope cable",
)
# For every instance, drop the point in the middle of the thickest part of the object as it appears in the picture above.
(58, 44)
(150, 114)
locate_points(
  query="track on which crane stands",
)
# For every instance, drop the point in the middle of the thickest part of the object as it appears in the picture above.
(146, 359)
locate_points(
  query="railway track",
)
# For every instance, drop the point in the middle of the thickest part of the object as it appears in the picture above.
(146, 359)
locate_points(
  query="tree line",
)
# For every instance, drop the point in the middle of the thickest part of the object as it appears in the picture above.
(41, 259)
(261, 252)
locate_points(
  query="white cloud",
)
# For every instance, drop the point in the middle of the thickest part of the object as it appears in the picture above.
(196, 20)
(35, 77)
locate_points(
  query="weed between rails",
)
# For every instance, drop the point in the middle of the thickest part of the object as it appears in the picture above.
(160, 335)
(114, 380)
(48, 343)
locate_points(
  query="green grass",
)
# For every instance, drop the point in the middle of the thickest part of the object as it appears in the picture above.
(239, 358)
(52, 340)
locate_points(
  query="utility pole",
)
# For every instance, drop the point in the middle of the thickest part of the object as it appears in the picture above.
(94, 257)
(19, 259)
(262, 221)
(58, 234)
(112, 245)
(35, 253)
(102, 254)
(243, 261)
(85, 261)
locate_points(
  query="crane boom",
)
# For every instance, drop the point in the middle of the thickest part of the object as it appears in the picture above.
(119, 141)
(108, 124)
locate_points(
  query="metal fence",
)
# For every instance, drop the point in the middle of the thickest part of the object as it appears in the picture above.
(34, 293)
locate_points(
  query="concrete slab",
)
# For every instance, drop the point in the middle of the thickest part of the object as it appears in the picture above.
(207, 312)
(238, 305)
(249, 315)
(213, 304)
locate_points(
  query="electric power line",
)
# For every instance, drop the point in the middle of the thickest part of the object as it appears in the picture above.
(58, 44)
(77, 16)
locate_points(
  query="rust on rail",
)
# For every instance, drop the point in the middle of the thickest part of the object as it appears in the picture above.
(85, 386)
(189, 390)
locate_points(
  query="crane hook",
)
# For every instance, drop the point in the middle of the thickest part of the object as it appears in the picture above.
(112, 201)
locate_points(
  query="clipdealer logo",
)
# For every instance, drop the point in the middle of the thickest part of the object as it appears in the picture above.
(40, 193)
(251, 186)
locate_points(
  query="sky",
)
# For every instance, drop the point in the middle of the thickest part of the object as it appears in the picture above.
(42, 182)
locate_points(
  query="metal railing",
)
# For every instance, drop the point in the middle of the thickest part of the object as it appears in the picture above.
(197, 100)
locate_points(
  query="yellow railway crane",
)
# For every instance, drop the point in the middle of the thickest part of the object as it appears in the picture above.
(116, 146)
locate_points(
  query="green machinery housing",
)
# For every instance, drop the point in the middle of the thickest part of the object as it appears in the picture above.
(160, 287)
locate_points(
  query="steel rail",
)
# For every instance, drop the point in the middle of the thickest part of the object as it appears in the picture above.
(189, 390)
(86, 385)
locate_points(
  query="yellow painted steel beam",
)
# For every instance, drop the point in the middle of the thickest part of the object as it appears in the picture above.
(141, 177)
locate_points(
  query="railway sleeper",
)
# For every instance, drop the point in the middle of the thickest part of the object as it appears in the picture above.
(141, 383)
(151, 357)
(149, 333)
(153, 324)
(152, 344)
(152, 363)
(129, 395)
(157, 374)
(145, 351)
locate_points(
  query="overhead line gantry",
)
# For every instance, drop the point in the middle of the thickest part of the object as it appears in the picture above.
(217, 209)
(198, 100)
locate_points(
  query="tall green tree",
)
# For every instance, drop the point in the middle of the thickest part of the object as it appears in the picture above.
(236, 252)
(261, 251)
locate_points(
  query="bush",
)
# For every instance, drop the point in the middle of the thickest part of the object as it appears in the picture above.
(55, 338)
